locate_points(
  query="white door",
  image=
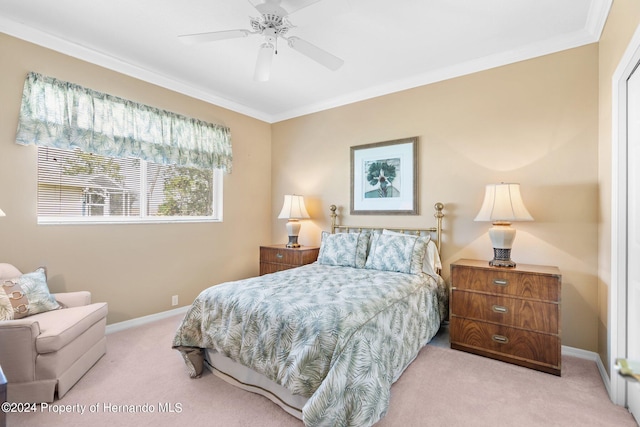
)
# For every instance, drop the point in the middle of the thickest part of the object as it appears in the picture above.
(633, 235)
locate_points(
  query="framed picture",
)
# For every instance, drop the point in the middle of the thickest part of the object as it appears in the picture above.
(384, 178)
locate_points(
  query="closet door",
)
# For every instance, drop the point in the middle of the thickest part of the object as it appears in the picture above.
(633, 234)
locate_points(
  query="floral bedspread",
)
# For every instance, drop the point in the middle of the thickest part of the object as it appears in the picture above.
(337, 335)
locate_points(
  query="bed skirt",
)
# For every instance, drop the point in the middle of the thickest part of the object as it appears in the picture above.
(247, 379)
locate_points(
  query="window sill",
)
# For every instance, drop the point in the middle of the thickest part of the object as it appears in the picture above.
(125, 220)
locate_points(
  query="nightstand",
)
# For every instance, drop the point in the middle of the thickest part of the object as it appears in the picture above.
(278, 257)
(509, 314)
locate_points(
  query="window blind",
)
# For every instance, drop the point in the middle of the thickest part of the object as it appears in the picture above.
(74, 185)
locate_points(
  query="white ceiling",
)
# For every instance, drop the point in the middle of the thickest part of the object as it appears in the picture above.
(387, 45)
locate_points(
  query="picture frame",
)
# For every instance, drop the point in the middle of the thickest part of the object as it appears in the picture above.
(384, 178)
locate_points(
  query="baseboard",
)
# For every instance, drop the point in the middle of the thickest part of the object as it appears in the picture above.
(593, 356)
(139, 321)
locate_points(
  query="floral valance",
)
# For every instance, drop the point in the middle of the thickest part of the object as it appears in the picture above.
(60, 114)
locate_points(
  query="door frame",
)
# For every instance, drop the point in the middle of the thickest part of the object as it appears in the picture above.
(617, 328)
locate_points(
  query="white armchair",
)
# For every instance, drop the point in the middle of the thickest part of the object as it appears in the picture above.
(49, 352)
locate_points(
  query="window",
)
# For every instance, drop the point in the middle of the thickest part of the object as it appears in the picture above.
(102, 158)
(74, 186)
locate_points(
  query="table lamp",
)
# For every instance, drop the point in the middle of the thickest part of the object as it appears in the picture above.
(502, 205)
(294, 210)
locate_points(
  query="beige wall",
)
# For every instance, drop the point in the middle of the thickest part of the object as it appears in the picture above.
(622, 22)
(135, 268)
(533, 122)
(545, 123)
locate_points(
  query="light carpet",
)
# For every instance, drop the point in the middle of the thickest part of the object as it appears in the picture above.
(141, 381)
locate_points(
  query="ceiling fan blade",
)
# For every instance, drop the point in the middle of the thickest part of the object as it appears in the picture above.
(213, 36)
(275, 6)
(320, 56)
(263, 64)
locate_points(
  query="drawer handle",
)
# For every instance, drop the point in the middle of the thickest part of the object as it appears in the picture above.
(500, 309)
(500, 339)
(500, 282)
(279, 256)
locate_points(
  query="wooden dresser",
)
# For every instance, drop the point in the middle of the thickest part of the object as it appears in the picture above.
(509, 314)
(278, 257)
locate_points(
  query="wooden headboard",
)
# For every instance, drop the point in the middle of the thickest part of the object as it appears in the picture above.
(437, 230)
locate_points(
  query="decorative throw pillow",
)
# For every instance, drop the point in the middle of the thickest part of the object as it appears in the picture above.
(344, 249)
(432, 263)
(401, 253)
(26, 295)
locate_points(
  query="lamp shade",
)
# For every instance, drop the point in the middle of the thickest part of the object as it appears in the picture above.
(263, 64)
(503, 203)
(2, 213)
(293, 208)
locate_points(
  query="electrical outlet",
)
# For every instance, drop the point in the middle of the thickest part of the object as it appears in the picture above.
(174, 300)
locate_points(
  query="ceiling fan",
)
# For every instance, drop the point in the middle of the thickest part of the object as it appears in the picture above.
(273, 23)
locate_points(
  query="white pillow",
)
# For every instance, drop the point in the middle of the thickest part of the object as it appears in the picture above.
(432, 263)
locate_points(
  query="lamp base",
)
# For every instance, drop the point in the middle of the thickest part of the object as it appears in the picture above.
(293, 228)
(502, 258)
(293, 242)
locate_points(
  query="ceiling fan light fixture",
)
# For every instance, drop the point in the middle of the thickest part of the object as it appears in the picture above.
(272, 24)
(263, 65)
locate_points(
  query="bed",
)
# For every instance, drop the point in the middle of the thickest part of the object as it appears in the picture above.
(325, 341)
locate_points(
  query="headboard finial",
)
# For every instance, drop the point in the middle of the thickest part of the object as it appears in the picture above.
(439, 208)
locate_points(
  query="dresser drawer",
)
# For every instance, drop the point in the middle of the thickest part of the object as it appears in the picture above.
(268, 267)
(287, 256)
(518, 312)
(502, 281)
(531, 349)
(278, 257)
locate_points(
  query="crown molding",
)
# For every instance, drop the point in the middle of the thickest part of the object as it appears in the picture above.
(594, 25)
(590, 34)
(113, 63)
(597, 18)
